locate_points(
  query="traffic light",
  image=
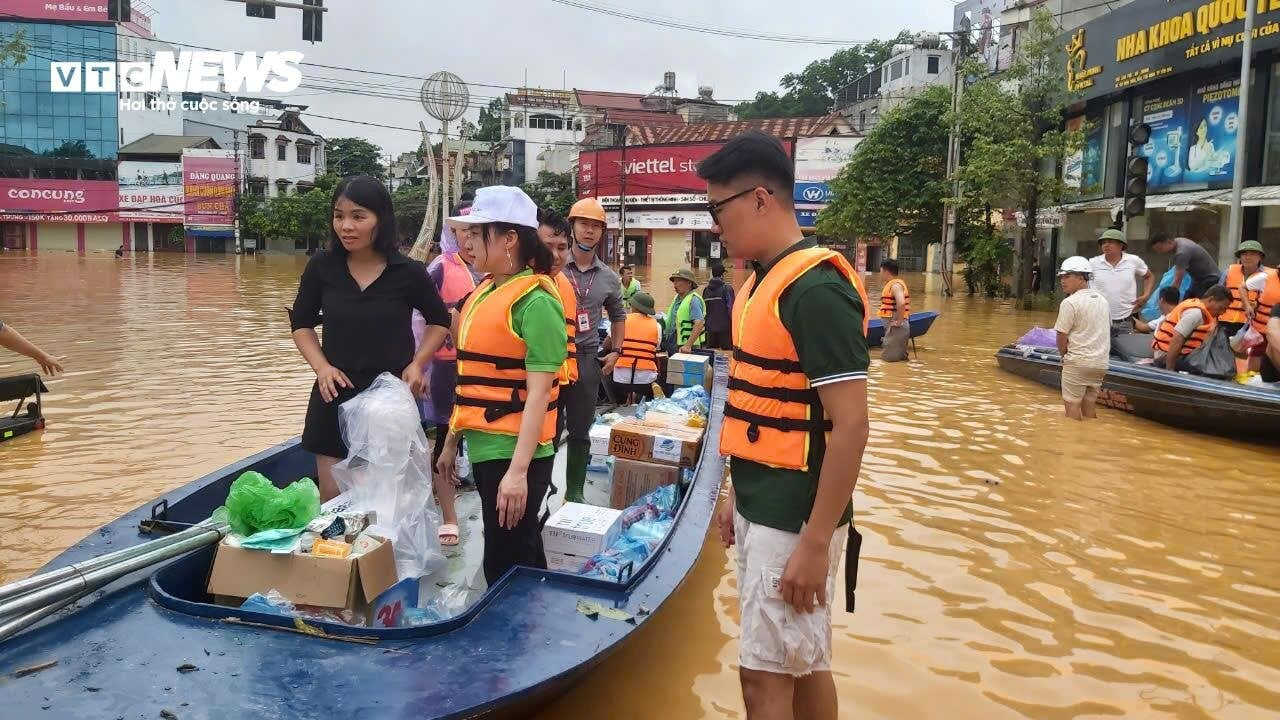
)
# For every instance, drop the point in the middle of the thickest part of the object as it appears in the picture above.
(313, 22)
(1135, 172)
(260, 10)
(119, 10)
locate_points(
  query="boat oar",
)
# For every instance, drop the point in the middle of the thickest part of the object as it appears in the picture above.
(36, 582)
(12, 627)
(31, 603)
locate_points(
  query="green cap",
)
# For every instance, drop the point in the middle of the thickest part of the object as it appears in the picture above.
(684, 274)
(1248, 245)
(643, 302)
(1113, 234)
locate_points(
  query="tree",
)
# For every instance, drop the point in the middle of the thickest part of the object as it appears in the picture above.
(896, 182)
(304, 216)
(411, 210)
(553, 191)
(812, 91)
(14, 50)
(353, 156)
(1015, 139)
(491, 121)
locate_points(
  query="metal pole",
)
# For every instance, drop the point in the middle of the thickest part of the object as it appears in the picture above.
(953, 162)
(621, 252)
(1227, 250)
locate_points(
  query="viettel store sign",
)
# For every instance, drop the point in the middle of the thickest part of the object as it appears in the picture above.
(1146, 40)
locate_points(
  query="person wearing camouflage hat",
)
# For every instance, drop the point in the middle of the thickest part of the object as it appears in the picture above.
(1115, 274)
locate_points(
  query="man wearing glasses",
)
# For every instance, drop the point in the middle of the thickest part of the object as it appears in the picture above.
(795, 426)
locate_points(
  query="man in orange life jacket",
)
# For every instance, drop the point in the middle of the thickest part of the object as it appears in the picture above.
(795, 428)
(1187, 327)
(895, 313)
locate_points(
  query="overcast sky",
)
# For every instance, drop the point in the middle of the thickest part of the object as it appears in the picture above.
(498, 41)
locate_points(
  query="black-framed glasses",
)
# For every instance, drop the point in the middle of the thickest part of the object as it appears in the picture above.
(713, 208)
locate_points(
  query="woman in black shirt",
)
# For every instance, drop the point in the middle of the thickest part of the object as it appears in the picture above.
(364, 291)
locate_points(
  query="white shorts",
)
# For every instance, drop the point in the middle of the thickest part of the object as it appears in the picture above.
(776, 638)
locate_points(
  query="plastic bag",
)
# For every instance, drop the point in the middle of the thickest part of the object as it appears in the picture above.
(271, 602)
(254, 504)
(1247, 339)
(1214, 357)
(387, 470)
(1039, 337)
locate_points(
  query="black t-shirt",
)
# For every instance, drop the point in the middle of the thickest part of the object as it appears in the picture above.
(367, 331)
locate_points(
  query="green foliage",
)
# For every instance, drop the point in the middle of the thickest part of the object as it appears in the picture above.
(988, 260)
(353, 156)
(490, 129)
(553, 191)
(1011, 124)
(69, 149)
(896, 181)
(411, 210)
(14, 50)
(812, 91)
(290, 217)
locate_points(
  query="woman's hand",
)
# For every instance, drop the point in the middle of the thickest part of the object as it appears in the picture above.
(330, 379)
(445, 467)
(513, 495)
(415, 378)
(48, 363)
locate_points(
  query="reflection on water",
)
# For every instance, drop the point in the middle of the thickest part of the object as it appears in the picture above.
(1015, 564)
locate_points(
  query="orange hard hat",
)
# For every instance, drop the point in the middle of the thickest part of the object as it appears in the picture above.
(587, 209)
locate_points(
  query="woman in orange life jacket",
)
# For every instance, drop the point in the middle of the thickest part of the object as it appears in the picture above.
(637, 368)
(553, 231)
(453, 277)
(510, 336)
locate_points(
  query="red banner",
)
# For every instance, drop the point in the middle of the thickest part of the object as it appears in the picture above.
(58, 200)
(54, 10)
(649, 170)
(209, 187)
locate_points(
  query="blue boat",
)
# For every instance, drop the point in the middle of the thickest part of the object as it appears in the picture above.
(154, 640)
(1192, 402)
(920, 323)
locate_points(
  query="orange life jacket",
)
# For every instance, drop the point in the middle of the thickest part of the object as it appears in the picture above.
(492, 381)
(1164, 333)
(456, 283)
(1267, 300)
(1235, 283)
(888, 305)
(772, 412)
(569, 298)
(640, 346)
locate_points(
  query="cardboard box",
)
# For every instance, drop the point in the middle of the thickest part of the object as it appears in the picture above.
(581, 530)
(654, 440)
(632, 479)
(599, 440)
(342, 583)
(689, 369)
(565, 562)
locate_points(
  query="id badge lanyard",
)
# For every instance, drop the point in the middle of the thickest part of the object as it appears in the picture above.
(584, 319)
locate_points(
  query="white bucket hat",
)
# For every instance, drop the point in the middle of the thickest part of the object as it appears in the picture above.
(499, 203)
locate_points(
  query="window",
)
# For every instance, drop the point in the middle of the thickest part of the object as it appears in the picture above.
(933, 64)
(546, 122)
(304, 154)
(282, 151)
(862, 120)
(258, 189)
(257, 148)
(895, 70)
(577, 124)
(906, 66)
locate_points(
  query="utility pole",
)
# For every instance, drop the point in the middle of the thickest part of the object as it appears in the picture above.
(235, 201)
(951, 213)
(1226, 253)
(621, 253)
(390, 174)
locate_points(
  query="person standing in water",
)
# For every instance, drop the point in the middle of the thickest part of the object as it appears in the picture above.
(1084, 338)
(511, 345)
(596, 290)
(453, 278)
(366, 291)
(895, 313)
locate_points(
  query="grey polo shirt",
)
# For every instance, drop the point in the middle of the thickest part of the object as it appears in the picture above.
(599, 290)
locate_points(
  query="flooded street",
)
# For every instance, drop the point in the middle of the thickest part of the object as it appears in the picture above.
(1015, 564)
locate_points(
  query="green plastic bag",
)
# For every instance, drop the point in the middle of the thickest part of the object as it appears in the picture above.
(254, 504)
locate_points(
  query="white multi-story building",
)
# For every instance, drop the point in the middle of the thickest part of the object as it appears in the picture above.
(910, 70)
(284, 156)
(545, 128)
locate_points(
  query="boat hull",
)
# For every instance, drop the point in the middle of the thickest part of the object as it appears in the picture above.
(1186, 401)
(920, 323)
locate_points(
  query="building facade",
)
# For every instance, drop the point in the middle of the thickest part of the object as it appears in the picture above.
(283, 156)
(910, 70)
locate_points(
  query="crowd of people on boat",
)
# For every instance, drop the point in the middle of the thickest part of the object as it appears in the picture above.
(1231, 313)
(508, 336)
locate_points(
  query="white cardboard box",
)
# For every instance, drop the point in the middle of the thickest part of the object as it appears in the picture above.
(581, 530)
(600, 439)
(565, 562)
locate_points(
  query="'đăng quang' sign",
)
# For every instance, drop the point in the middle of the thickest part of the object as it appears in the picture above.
(1148, 40)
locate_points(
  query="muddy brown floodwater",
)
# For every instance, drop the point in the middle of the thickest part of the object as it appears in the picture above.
(1015, 564)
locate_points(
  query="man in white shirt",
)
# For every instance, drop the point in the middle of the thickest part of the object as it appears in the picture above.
(1084, 339)
(1115, 275)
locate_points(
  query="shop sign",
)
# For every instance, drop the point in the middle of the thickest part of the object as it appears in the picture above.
(51, 199)
(813, 193)
(1139, 43)
(1193, 135)
(664, 199)
(648, 170)
(150, 191)
(50, 10)
(807, 217)
(209, 187)
(662, 220)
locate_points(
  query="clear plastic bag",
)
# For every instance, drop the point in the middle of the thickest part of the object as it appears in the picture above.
(387, 470)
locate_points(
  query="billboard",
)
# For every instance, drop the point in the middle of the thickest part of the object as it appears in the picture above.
(1142, 42)
(980, 20)
(1212, 122)
(51, 10)
(77, 201)
(209, 187)
(1167, 116)
(648, 169)
(818, 161)
(151, 191)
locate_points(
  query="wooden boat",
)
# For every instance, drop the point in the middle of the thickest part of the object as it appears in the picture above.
(1187, 401)
(27, 416)
(920, 323)
(521, 645)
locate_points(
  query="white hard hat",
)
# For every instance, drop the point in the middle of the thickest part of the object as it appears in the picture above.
(1075, 264)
